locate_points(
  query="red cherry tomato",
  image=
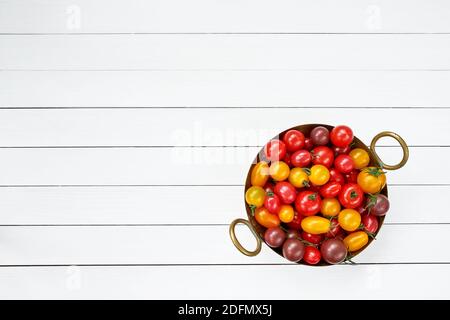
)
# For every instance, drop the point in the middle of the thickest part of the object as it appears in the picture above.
(336, 176)
(296, 223)
(285, 191)
(312, 255)
(344, 163)
(301, 158)
(330, 189)
(335, 229)
(308, 203)
(294, 140)
(287, 159)
(272, 203)
(370, 223)
(275, 150)
(351, 195)
(312, 238)
(352, 176)
(341, 136)
(322, 155)
(308, 144)
(340, 150)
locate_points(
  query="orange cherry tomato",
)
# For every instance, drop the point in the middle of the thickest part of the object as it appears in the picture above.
(360, 158)
(330, 207)
(298, 178)
(356, 240)
(279, 170)
(260, 174)
(255, 196)
(319, 175)
(349, 219)
(315, 225)
(286, 213)
(266, 219)
(371, 179)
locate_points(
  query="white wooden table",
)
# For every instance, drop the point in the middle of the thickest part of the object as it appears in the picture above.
(127, 128)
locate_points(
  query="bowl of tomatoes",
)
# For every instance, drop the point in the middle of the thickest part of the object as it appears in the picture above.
(316, 194)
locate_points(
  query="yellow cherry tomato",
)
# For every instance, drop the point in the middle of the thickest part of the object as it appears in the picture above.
(319, 175)
(255, 196)
(315, 225)
(371, 179)
(330, 207)
(266, 219)
(360, 158)
(279, 170)
(349, 219)
(286, 213)
(298, 178)
(260, 174)
(356, 240)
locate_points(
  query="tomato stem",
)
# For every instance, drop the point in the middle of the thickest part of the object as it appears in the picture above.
(270, 193)
(312, 196)
(252, 209)
(306, 184)
(307, 171)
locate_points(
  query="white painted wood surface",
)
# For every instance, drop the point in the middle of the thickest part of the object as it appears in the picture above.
(127, 128)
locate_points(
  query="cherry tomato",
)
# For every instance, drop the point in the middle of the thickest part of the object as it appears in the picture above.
(272, 203)
(296, 223)
(308, 144)
(335, 229)
(308, 203)
(286, 192)
(333, 251)
(341, 136)
(340, 150)
(330, 207)
(315, 225)
(322, 155)
(286, 213)
(351, 196)
(255, 196)
(378, 204)
(330, 190)
(320, 136)
(266, 219)
(294, 140)
(319, 175)
(287, 159)
(337, 176)
(344, 163)
(356, 240)
(349, 219)
(269, 187)
(292, 234)
(298, 178)
(312, 238)
(371, 180)
(275, 150)
(370, 223)
(279, 170)
(293, 250)
(301, 158)
(352, 176)
(360, 158)
(274, 237)
(312, 255)
(260, 174)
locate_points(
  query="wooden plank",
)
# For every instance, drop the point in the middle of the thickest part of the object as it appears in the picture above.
(225, 89)
(205, 127)
(230, 16)
(175, 166)
(225, 52)
(156, 205)
(181, 282)
(192, 245)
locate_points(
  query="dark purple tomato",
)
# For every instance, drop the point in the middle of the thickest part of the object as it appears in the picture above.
(274, 237)
(301, 158)
(333, 251)
(378, 204)
(320, 136)
(293, 250)
(312, 255)
(292, 234)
